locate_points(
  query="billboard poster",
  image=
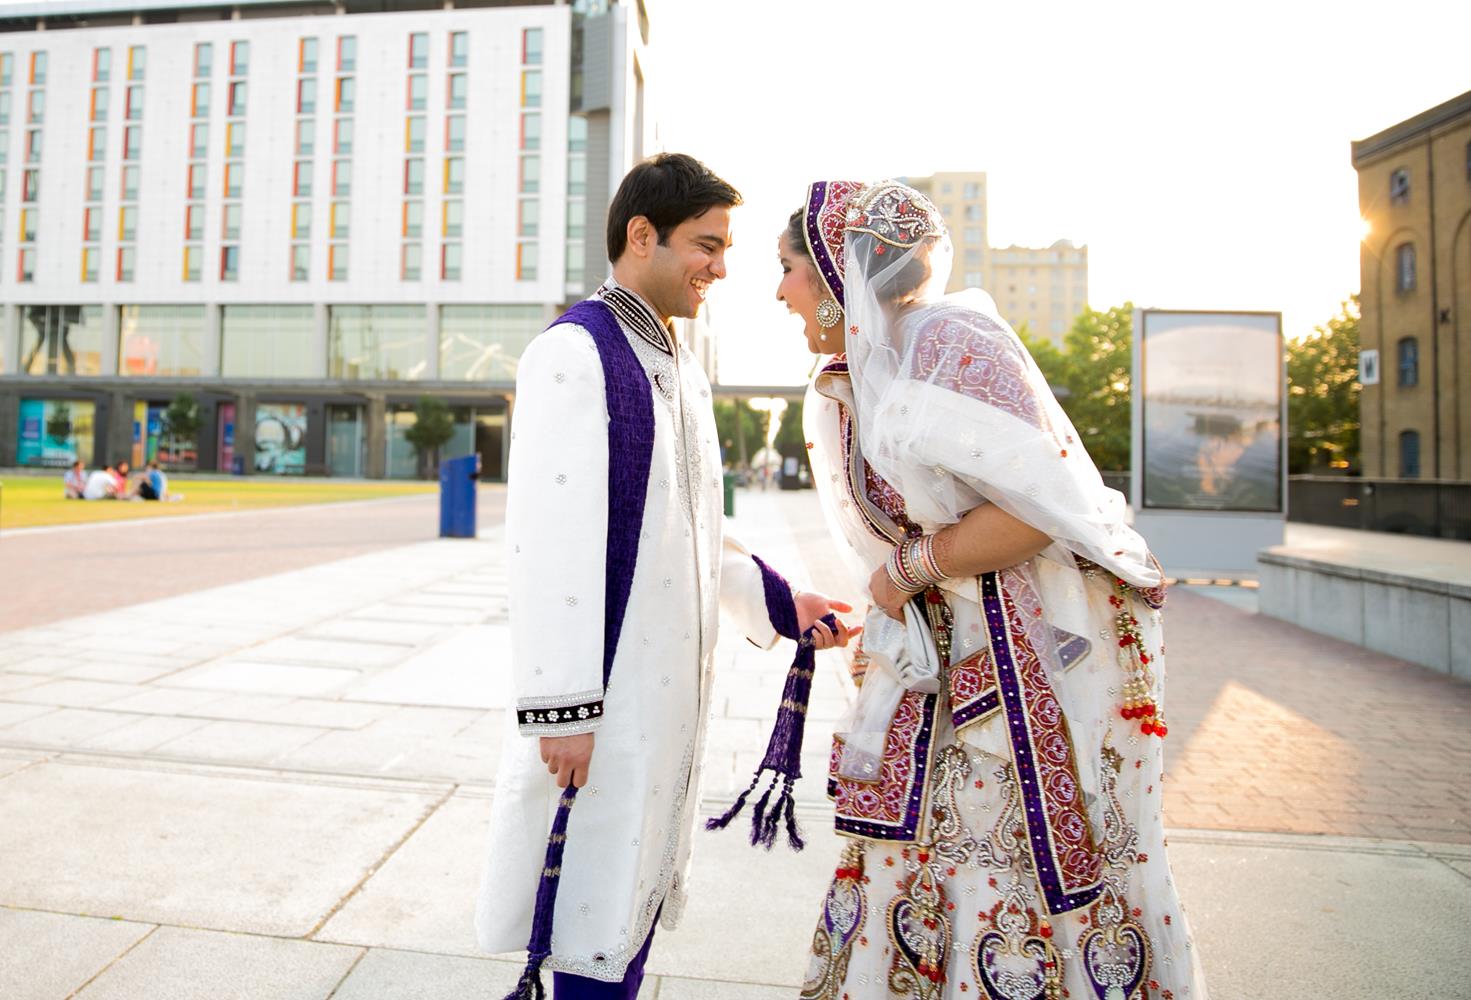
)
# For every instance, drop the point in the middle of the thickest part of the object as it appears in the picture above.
(280, 439)
(54, 432)
(1212, 385)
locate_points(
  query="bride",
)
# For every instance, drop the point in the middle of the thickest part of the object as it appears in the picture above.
(999, 780)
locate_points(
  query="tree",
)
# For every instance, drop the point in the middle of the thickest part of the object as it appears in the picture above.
(790, 441)
(741, 429)
(1092, 374)
(1323, 395)
(59, 424)
(180, 421)
(433, 426)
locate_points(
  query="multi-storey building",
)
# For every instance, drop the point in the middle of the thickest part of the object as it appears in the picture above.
(1415, 295)
(306, 215)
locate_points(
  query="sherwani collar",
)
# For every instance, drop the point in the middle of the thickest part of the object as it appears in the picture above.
(637, 315)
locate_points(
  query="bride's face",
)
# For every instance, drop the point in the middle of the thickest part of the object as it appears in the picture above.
(801, 290)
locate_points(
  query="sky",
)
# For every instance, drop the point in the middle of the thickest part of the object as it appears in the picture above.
(1201, 151)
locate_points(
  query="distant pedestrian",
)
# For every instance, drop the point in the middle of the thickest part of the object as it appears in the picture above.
(101, 485)
(75, 481)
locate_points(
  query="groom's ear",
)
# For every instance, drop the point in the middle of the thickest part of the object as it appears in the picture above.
(641, 236)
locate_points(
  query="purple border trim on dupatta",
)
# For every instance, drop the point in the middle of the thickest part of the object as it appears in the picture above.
(816, 245)
(1058, 898)
(910, 827)
(630, 454)
(978, 709)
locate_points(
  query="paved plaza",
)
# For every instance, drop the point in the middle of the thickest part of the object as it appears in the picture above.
(271, 778)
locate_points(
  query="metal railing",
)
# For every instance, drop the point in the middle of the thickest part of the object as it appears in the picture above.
(1434, 508)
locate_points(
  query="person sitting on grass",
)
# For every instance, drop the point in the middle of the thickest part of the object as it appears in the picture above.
(120, 481)
(154, 485)
(101, 485)
(75, 481)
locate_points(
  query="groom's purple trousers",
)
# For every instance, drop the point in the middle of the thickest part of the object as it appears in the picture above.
(566, 986)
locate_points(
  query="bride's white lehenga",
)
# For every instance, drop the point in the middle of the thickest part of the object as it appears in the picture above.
(1009, 843)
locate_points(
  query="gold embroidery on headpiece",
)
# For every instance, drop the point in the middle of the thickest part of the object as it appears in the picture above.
(894, 214)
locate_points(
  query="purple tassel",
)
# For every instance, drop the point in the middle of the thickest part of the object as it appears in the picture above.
(784, 750)
(530, 987)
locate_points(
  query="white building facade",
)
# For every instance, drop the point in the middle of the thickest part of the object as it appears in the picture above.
(303, 216)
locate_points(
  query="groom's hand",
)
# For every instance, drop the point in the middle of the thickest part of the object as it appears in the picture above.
(810, 609)
(568, 757)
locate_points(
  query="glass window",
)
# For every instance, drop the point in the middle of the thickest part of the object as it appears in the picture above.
(237, 99)
(127, 223)
(29, 219)
(459, 88)
(6, 67)
(577, 175)
(301, 179)
(1409, 362)
(306, 96)
(38, 68)
(230, 222)
(376, 342)
(414, 134)
(972, 190)
(199, 101)
(193, 262)
(1404, 256)
(341, 178)
(530, 174)
(301, 220)
(4, 107)
(198, 141)
(531, 132)
(239, 58)
(204, 58)
(414, 176)
(161, 340)
(576, 134)
(133, 110)
(306, 137)
(229, 263)
(96, 146)
(449, 262)
(347, 54)
(530, 217)
(418, 91)
(341, 222)
(972, 234)
(418, 50)
(1399, 185)
(459, 48)
(412, 263)
(454, 134)
(235, 139)
(25, 265)
(61, 340)
(97, 110)
(301, 262)
(194, 222)
(454, 175)
(484, 343)
(267, 341)
(526, 261)
(196, 180)
(33, 145)
(346, 94)
(1409, 454)
(132, 142)
(453, 224)
(342, 136)
(101, 67)
(137, 62)
(576, 261)
(576, 220)
(306, 56)
(91, 224)
(531, 88)
(4, 146)
(413, 219)
(36, 108)
(234, 179)
(531, 39)
(30, 186)
(337, 262)
(130, 184)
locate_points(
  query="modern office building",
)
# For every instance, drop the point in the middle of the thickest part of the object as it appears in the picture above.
(1415, 295)
(305, 215)
(1043, 287)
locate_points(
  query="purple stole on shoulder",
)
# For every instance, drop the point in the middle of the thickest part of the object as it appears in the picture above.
(630, 452)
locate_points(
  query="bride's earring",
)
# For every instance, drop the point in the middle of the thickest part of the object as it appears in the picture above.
(829, 314)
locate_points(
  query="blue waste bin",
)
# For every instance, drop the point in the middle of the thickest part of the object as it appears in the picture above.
(457, 479)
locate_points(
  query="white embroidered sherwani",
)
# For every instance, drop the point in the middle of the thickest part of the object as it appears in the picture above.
(628, 838)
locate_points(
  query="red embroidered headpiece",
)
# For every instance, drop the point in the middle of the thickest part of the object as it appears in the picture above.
(895, 214)
(827, 203)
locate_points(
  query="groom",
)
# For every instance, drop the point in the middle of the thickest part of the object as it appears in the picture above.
(618, 569)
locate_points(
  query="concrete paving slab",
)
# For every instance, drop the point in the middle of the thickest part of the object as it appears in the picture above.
(166, 701)
(18, 682)
(325, 653)
(63, 727)
(671, 988)
(353, 752)
(255, 743)
(1464, 867)
(13, 713)
(440, 862)
(431, 599)
(121, 673)
(414, 614)
(146, 733)
(253, 675)
(16, 651)
(390, 633)
(428, 720)
(204, 848)
(18, 760)
(47, 956)
(327, 714)
(176, 963)
(470, 669)
(385, 974)
(74, 693)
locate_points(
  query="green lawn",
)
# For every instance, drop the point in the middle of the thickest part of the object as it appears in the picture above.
(32, 501)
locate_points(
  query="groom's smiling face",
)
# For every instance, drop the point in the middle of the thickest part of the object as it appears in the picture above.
(682, 268)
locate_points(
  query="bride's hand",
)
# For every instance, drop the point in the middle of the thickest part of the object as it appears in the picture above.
(886, 595)
(810, 609)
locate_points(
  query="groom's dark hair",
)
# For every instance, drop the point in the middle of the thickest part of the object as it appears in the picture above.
(666, 190)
